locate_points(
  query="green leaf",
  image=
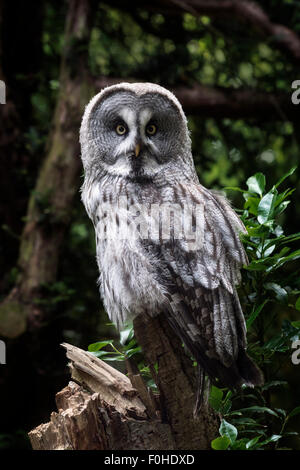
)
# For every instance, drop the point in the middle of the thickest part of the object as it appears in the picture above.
(259, 231)
(291, 257)
(132, 343)
(257, 183)
(151, 384)
(281, 240)
(290, 238)
(258, 409)
(235, 413)
(266, 206)
(126, 334)
(101, 354)
(289, 331)
(277, 343)
(282, 196)
(281, 411)
(220, 443)
(281, 208)
(131, 352)
(215, 398)
(245, 420)
(234, 188)
(254, 314)
(240, 444)
(274, 383)
(117, 357)
(252, 204)
(227, 429)
(259, 265)
(227, 407)
(294, 412)
(297, 304)
(252, 442)
(286, 175)
(273, 438)
(99, 345)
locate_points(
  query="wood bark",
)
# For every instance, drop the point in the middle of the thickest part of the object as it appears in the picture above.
(176, 382)
(99, 410)
(103, 409)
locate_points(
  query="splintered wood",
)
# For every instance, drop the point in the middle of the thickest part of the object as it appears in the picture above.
(99, 409)
(103, 409)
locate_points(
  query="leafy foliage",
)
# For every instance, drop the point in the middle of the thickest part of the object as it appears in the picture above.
(122, 350)
(250, 419)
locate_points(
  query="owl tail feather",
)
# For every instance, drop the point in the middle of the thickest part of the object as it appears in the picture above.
(203, 390)
(250, 375)
(241, 371)
(200, 390)
(244, 372)
(249, 371)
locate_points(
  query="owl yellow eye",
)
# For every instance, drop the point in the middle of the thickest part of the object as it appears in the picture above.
(120, 129)
(151, 129)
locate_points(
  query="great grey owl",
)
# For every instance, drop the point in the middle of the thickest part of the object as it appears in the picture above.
(164, 242)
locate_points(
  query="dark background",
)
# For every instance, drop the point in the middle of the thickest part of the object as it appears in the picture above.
(231, 67)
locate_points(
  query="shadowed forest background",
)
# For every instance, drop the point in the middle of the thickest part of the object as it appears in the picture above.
(231, 65)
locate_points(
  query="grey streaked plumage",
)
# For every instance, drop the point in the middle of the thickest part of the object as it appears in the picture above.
(194, 287)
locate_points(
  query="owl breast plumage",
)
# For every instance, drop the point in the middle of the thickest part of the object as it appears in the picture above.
(165, 244)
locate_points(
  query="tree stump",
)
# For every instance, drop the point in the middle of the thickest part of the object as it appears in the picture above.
(103, 409)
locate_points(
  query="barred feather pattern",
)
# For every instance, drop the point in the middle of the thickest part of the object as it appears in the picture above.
(194, 288)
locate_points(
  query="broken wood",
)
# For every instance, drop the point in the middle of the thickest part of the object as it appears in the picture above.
(103, 409)
(99, 410)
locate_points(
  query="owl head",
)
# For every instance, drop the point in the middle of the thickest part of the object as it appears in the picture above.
(135, 129)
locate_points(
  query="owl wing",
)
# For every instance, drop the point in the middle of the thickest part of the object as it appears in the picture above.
(204, 308)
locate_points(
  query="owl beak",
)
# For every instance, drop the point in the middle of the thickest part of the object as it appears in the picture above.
(137, 150)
